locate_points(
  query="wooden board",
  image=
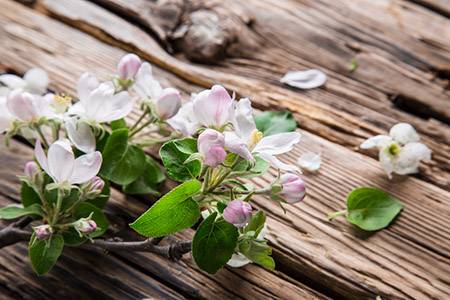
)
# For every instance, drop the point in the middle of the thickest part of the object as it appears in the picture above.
(407, 261)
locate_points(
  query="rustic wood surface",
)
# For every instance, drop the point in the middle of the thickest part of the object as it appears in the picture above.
(403, 50)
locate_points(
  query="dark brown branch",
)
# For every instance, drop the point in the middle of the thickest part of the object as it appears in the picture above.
(13, 233)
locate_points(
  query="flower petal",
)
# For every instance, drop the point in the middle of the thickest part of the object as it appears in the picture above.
(12, 81)
(36, 80)
(5, 117)
(86, 167)
(243, 121)
(408, 160)
(276, 163)
(387, 162)
(237, 145)
(41, 157)
(404, 133)
(378, 141)
(277, 143)
(183, 121)
(81, 135)
(85, 85)
(21, 105)
(119, 106)
(61, 160)
(238, 260)
(145, 85)
(213, 107)
(310, 161)
(308, 79)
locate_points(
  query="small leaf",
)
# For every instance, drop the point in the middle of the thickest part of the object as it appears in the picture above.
(15, 211)
(174, 154)
(29, 195)
(44, 254)
(122, 163)
(175, 211)
(248, 170)
(258, 252)
(271, 122)
(371, 208)
(256, 223)
(214, 243)
(353, 65)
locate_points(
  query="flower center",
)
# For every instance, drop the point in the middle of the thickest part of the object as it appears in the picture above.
(255, 137)
(393, 149)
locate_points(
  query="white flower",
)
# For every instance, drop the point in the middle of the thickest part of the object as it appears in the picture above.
(80, 134)
(401, 151)
(213, 108)
(61, 165)
(99, 103)
(308, 79)
(310, 161)
(184, 121)
(34, 81)
(246, 140)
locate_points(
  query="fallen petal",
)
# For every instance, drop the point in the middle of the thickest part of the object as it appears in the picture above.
(304, 79)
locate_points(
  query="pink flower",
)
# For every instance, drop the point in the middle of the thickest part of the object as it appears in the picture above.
(85, 226)
(168, 103)
(128, 66)
(210, 145)
(43, 232)
(293, 188)
(238, 213)
(213, 107)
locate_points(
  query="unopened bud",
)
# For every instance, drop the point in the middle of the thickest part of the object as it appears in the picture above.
(31, 169)
(238, 213)
(293, 188)
(43, 232)
(168, 103)
(211, 145)
(85, 226)
(97, 184)
(128, 66)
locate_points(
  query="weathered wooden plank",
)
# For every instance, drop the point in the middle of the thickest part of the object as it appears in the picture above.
(307, 245)
(344, 113)
(250, 283)
(439, 6)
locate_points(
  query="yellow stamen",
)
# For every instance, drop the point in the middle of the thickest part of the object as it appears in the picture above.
(255, 137)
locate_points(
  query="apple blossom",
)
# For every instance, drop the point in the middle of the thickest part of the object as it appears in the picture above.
(210, 145)
(100, 103)
(213, 108)
(34, 81)
(60, 163)
(27, 107)
(238, 213)
(85, 226)
(400, 152)
(80, 134)
(293, 188)
(246, 140)
(43, 232)
(128, 66)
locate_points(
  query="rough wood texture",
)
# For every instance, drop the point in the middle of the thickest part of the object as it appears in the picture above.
(352, 106)
(409, 260)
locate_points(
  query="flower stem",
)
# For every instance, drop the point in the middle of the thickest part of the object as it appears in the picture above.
(41, 135)
(135, 131)
(139, 120)
(331, 216)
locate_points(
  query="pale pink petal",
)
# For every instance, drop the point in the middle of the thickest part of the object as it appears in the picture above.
(12, 81)
(21, 105)
(61, 160)
(118, 106)
(404, 133)
(5, 117)
(243, 121)
(145, 85)
(86, 84)
(86, 167)
(81, 135)
(41, 157)
(213, 107)
(237, 145)
(308, 79)
(277, 143)
(278, 164)
(168, 103)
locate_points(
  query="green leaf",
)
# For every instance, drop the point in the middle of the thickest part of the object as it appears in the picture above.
(371, 208)
(174, 154)
(147, 183)
(15, 211)
(29, 195)
(175, 211)
(214, 243)
(258, 252)
(256, 223)
(271, 122)
(249, 170)
(118, 124)
(84, 210)
(44, 254)
(122, 163)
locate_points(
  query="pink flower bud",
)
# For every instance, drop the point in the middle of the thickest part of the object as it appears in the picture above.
(211, 145)
(168, 103)
(31, 169)
(293, 188)
(85, 226)
(96, 184)
(43, 232)
(238, 213)
(128, 66)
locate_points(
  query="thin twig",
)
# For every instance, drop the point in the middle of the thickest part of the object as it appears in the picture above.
(13, 233)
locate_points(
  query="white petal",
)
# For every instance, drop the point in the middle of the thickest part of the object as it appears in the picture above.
(237, 145)
(408, 160)
(86, 167)
(21, 105)
(43, 106)
(41, 157)
(36, 80)
(61, 160)
(310, 161)
(5, 116)
(145, 85)
(238, 260)
(379, 141)
(77, 110)
(118, 106)
(277, 143)
(243, 121)
(387, 161)
(81, 135)
(404, 133)
(276, 163)
(4, 91)
(184, 121)
(12, 81)
(305, 79)
(85, 85)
